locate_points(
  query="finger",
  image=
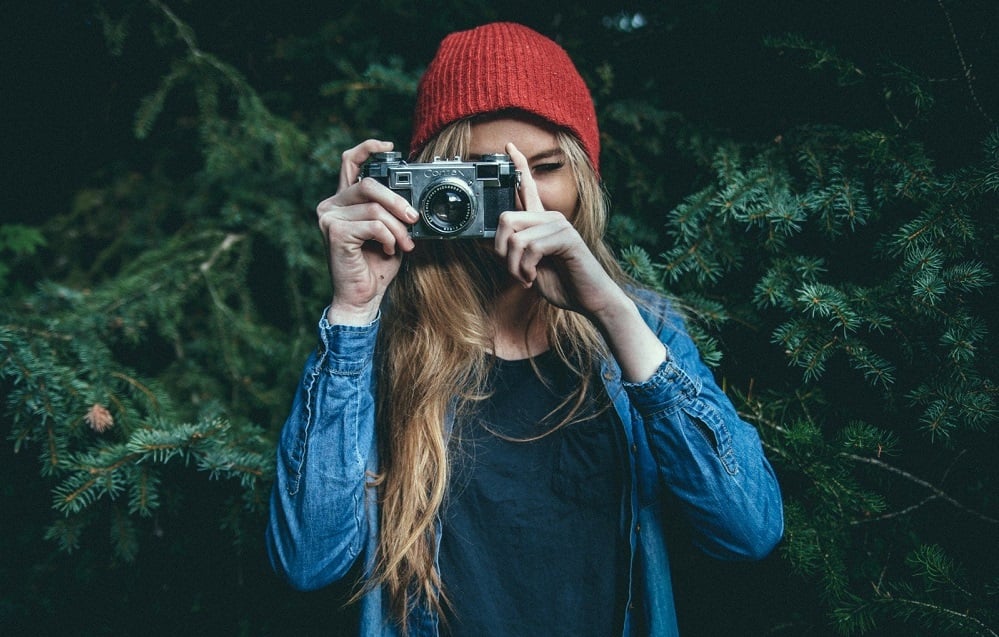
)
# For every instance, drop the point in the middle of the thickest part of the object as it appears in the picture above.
(527, 196)
(349, 237)
(521, 220)
(361, 233)
(371, 191)
(528, 247)
(377, 232)
(352, 159)
(353, 225)
(512, 222)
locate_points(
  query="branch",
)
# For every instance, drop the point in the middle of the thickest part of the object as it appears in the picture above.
(226, 244)
(962, 617)
(135, 383)
(185, 33)
(937, 492)
(964, 65)
(895, 514)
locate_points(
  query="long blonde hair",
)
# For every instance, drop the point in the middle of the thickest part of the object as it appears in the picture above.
(435, 336)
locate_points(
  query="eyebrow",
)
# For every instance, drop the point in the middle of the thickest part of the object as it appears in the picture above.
(547, 154)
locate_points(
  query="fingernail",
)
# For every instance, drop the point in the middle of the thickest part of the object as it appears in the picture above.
(411, 214)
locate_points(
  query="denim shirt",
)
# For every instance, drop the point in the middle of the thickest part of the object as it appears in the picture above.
(688, 454)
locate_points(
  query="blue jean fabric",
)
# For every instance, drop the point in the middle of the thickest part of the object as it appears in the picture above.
(688, 452)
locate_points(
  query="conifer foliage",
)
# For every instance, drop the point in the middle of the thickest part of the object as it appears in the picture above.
(838, 269)
(870, 268)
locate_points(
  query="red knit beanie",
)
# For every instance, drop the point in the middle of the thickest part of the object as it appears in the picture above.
(504, 66)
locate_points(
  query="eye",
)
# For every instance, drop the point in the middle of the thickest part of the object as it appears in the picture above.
(548, 167)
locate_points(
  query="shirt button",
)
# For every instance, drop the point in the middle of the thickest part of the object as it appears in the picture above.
(638, 528)
(634, 448)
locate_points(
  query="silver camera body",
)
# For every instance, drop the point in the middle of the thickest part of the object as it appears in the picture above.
(455, 199)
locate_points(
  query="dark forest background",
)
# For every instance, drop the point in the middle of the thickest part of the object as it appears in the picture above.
(816, 180)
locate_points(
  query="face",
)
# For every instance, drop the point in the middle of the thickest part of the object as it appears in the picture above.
(537, 141)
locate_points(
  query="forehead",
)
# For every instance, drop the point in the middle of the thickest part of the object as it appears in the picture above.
(531, 136)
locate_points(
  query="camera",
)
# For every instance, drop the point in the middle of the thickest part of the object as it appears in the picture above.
(455, 199)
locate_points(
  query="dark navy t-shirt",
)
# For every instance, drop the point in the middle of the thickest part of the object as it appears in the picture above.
(531, 540)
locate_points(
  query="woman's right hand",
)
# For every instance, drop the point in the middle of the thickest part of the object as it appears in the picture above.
(365, 226)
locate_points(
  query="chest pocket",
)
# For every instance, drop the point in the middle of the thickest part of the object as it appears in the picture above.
(588, 463)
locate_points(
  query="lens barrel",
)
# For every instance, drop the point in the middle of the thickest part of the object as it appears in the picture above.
(447, 206)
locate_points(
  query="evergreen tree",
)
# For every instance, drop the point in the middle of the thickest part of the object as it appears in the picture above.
(869, 267)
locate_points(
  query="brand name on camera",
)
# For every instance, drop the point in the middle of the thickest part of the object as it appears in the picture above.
(443, 172)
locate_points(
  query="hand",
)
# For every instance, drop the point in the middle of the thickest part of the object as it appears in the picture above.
(365, 226)
(543, 250)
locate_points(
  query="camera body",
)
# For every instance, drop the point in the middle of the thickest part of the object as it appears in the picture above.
(455, 199)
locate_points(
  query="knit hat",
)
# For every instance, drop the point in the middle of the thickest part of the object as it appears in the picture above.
(504, 66)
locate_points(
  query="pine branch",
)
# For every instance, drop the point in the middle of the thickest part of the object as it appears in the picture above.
(963, 618)
(937, 492)
(968, 77)
(186, 34)
(757, 416)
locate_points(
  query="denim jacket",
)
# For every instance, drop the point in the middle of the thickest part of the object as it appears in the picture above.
(688, 454)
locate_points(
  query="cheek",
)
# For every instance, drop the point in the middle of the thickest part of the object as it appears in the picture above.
(560, 197)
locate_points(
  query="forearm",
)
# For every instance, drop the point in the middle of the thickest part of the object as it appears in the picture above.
(710, 459)
(714, 465)
(634, 346)
(318, 519)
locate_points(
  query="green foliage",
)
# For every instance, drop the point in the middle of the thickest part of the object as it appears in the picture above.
(16, 241)
(817, 56)
(868, 270)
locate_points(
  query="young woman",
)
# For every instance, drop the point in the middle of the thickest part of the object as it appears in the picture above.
(500, 428)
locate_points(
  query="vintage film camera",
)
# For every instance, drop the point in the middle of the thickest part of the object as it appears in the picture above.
(455, 199)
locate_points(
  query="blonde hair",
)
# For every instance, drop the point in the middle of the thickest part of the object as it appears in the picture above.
(435, 336)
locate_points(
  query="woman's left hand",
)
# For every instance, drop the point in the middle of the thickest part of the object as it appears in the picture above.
(543, 250)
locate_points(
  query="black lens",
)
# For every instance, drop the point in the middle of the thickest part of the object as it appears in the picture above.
(447, 207)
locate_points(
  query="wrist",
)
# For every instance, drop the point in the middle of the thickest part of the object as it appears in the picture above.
(355, 315)
(618, 310)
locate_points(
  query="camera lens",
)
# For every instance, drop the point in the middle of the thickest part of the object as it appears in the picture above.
(447, 207)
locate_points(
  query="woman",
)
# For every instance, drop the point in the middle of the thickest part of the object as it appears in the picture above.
(500, 428)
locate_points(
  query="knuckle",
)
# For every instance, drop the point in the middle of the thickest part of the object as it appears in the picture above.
(518, 242)
(371, 188)
(367, 186)
(333, 225)
(349, 153)
(372, 210)
(509, 221)
(563, 225)
(324, 217)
